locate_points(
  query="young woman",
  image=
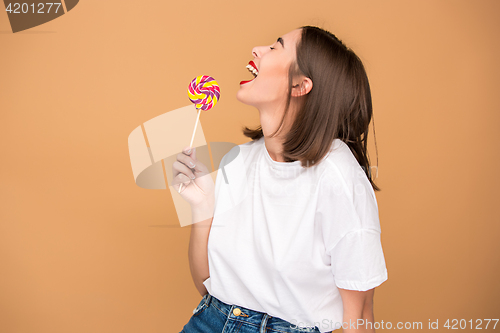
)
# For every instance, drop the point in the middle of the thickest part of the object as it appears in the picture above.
(288, 238)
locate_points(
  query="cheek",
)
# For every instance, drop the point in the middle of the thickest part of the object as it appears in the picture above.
(275, 78)
(278, 70)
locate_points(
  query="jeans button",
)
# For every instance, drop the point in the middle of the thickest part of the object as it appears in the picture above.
(236, 311)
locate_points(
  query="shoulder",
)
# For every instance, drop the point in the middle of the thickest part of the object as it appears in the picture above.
(250, 146)
(242, 152)
(342, 168)
(344, 185)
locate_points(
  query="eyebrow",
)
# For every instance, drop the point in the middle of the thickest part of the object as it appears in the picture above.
(280, 40)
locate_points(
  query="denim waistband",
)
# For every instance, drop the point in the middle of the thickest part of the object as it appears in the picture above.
(261, 319)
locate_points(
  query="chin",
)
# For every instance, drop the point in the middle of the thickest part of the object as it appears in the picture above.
(241, 98)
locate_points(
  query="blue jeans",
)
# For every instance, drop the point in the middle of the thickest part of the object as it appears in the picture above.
(214, 316)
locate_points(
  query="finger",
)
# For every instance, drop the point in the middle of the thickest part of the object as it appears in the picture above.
(181, 168)
(177, 180)
(181, 179)
(199, 166)
(187, 150)
(186, 180)
(186, 161)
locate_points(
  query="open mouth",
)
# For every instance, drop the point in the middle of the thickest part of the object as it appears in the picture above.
(252, 69)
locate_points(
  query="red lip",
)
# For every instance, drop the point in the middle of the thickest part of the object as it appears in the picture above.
(254, 66)
(243, 82)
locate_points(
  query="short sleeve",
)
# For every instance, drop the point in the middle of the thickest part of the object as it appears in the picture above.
(357, 260)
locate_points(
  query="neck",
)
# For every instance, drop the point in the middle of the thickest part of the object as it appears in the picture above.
(274, 147)
(270, 121)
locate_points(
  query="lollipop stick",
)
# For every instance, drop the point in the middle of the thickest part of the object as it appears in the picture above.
(195, 125)
(192, 137)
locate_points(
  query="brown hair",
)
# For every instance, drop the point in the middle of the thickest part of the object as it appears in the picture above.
(339, 104)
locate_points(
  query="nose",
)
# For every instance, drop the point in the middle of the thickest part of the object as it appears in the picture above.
(254, 52)
(258, 51)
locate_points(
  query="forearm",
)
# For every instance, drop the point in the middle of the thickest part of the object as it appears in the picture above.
(198, 243)
(359, 322)
(358, 311)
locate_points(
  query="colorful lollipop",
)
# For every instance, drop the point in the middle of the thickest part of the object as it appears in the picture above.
(204, 92)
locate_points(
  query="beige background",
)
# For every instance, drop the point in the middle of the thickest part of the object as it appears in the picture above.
(84, 249)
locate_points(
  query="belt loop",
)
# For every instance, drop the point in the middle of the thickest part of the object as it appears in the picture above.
(208, 299)
(263, 323)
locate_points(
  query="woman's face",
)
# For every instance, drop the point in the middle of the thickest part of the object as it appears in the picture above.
(269, 88)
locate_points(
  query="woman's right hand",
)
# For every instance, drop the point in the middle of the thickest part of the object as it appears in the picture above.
(198, 191)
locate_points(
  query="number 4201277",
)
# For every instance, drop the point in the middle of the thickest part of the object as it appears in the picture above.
(455, 324)
(24, 8)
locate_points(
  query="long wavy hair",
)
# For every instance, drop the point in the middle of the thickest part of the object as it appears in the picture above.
(339, 104)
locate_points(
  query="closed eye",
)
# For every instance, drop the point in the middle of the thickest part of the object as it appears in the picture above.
(272, 48)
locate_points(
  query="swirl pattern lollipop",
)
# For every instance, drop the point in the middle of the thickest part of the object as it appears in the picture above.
(204, 92)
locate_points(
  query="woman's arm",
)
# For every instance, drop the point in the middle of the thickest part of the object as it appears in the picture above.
(198, 243)
(358, 310)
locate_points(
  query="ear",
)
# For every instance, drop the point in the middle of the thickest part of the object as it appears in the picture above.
(302, 86)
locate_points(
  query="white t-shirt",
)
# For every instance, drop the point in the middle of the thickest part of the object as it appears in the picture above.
(285, 238)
